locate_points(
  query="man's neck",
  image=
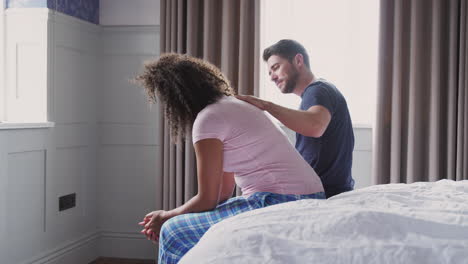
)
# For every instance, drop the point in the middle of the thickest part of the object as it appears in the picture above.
(307, 79)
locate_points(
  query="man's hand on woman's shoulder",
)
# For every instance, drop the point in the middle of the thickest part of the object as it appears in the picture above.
(261, 104)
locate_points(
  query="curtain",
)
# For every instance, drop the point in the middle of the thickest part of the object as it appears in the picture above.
(421, 131)
(224, 33)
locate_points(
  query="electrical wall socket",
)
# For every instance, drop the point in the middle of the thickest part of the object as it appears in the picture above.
(67, 201)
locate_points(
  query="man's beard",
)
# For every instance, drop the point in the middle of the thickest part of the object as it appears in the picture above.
(290, 84)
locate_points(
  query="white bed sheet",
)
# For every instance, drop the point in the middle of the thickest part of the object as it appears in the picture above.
(394, 223)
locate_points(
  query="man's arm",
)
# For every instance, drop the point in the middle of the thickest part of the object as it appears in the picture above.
(311, 123)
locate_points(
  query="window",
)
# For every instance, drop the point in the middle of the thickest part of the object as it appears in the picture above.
(341, 37)
(24, 62)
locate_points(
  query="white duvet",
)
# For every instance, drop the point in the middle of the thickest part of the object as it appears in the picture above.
(393, 223)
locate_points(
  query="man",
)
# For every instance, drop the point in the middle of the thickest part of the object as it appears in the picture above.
(324, 132)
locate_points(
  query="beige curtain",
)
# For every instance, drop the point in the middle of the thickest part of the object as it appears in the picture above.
(224, 33)
(421, 131)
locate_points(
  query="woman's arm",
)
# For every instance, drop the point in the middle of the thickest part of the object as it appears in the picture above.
(227, 186)
(211, 189)
(209, 154)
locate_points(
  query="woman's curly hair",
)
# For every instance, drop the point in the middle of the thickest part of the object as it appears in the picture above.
(185, 85)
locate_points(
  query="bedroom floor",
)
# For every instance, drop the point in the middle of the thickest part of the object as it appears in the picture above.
(122, 261)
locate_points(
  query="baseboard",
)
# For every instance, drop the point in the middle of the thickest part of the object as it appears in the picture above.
(103, 260)
(126, 245)
(99, 244)
(79, 251)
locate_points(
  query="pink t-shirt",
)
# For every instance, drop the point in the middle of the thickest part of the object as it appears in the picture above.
(255, 149)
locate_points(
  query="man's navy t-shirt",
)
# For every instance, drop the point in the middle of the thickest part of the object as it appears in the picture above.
(331, 155)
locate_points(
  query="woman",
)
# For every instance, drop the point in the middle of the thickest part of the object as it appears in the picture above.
(234, 143)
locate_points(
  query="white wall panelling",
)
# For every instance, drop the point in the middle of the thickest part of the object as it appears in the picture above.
(76, 70)
(96, 110)
(3, 193)
(40, 165)
(26, 203)
(128, 142)
(126, 245)
(362, 157)
(124, 12)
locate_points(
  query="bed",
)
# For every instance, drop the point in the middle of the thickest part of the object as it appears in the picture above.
(393, 223)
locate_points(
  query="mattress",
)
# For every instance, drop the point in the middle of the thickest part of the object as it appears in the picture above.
(424, 222)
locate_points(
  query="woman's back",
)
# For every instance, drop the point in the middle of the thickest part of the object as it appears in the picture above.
(255, 149)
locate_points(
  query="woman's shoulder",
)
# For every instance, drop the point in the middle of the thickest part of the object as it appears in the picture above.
(224, 105)
(214, 107)
(230, 108)
(212, 112)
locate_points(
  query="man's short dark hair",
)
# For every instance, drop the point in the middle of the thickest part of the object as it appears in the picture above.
(288, 49)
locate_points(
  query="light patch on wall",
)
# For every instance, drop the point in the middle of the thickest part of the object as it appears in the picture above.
(341, 37)
(30, 88)
(26, 3)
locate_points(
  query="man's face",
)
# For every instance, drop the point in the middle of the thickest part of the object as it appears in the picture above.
(282, 73)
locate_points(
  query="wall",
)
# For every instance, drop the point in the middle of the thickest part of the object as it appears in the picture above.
(39, 165)
(362, 157)
(128, 135)
(103, 147)
(104, 144)
(128, 142)
(129, 13)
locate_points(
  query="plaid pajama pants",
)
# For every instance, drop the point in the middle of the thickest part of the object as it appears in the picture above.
(179, 234)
